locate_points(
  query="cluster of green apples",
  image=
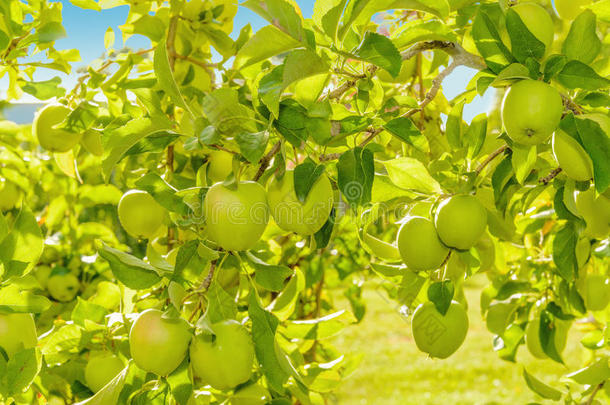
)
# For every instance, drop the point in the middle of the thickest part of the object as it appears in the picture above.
(237, 214)
(222, 360)
(424, 245)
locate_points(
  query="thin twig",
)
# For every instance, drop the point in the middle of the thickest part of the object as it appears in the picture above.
(220, 147)
(171, 40)
(436, 84)
(264, 162)
(571, 105)
(339, 91)
(594, 393)
(456, 51)
(208, 279)
(489, 158)
(546, 180)
(204, 65)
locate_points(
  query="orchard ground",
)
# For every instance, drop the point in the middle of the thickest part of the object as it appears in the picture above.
(393, 371)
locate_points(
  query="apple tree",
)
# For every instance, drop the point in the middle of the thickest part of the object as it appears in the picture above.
(173, 226)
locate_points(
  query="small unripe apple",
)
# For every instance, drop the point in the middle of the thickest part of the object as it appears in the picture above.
(571, 157)
(532, 337)
(17, 332)
(595, 211)
(531, 111)
(220, 165)
(420, 246)
(292, 215)
(10, 195)
(158, 345)
(439, 336)
(537, 21)
(101, 369)
(461, 221)
(570, 9)
(225, 359)
(236, 218)
(596, 292)
(62, 285)
(140, 215)
(53, 139)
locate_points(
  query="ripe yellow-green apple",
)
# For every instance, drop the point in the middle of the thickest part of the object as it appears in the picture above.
(537, 21)
(50, 138)
(532, 337)
(225, 359)
(292, 215)
(220, 165)
(62, 285)
(595, 210)
(253, 394)
(140, 215)
(236, 218)
(92, 142)
(157, 344)
(101, 369)
(531, 111)
(17, 332)
(439, 336)
(570, 9)
(461, 221)
(10, 195)
(596, 292)
(571, 157)
(420, 246)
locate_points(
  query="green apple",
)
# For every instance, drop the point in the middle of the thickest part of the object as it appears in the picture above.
(107, 295)
(537, 21)
(439, 336)
(571, 157)
(158, 345)
(220, 165)
(10, 195)
(253, 394)
(225, 359)
(92, 142)
(236, 218)
(17, 332)
(62, 285)
(42, 273)
(101, 369)
(461, 221)
(570, 9)
(292, 215)
(140, 215)
(420, 246)
(532, 337)
(596, 292)
(53, 139)
(499, 315)
(595, 210)
(531, 111)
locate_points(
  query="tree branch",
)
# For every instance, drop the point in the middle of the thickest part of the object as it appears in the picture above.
(546, 180)
(264, 162)
(208, 279)
(456, 51)
(171, 40)
(490, 158)
(594, 393)
(339, 91)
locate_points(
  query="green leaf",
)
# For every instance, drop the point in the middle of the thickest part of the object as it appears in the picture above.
(300, 64)
(577, 75)
(265, 43)
(601, 9)
(269, 276)
(523, 160)
(156, 142)
(221, 305)
(548, 330)
(422, 30)
(404, 129)
(488, 42)
(264, 326)
(180, 383)
(411, 174)
(165, 77)
(593, 374)
(49, 32)
(322, 237)
(524, 44)
(540, 388)
(87, 4)
(109, 395)
(224, 111)
(162, 192)
(131, 271)
(441, 294)
(582, 43)
(86, 311)
(379, 50)
(270, 89)
(305, 176)
(45, 89)
(355, 175)
(252, 145)
(476, 134)
(292, 122)
(564, 251)
(21, 370)
(285, 303)
(318, 328)
(22, 247)
(281, 14)
(510, 74)
(326, 14)
(13, 299)
(553, 65)
(597, 145)
(453, 130)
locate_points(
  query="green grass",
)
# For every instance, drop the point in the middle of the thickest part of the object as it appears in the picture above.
(393, 371)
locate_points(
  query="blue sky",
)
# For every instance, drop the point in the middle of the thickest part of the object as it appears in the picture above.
(86, 28)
